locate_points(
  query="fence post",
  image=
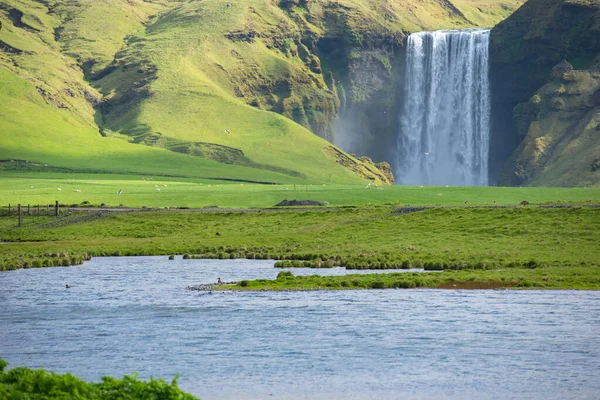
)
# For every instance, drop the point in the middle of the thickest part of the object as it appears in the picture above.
(9, 209)
(56, 210)
(20, 216)
(28, 209)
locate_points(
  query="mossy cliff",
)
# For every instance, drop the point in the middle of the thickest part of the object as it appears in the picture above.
(545, 111)
(361, 48)
(559, 128)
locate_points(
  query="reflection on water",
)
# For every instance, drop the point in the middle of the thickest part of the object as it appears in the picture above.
(134, 314)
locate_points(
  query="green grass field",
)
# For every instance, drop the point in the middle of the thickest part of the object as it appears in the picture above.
(374, 237)
(42, 188)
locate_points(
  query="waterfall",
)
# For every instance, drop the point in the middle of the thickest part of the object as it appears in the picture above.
(445, 121)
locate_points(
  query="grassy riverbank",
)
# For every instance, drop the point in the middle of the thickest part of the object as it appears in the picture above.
(582, 278)
(366, 237)
(26, 383)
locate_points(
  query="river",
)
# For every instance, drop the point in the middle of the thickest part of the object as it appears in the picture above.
(135, 314)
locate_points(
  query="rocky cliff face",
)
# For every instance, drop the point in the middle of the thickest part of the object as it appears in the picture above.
(360, 45)
(524, 49)
(559, 128)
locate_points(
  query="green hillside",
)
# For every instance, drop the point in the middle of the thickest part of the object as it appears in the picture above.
(233, 90)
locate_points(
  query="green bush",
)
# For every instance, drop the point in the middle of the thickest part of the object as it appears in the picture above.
(285, 274)
(25, 383)
(244, 283)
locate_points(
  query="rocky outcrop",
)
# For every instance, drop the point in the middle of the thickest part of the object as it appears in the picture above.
(559, 128)
(363, 166)
(359, 47)
(373, 85)
(524, 49)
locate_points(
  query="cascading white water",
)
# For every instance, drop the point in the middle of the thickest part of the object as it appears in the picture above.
(444, 127)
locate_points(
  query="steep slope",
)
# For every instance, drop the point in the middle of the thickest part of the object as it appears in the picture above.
(524, 48)
(49, 112)
(237, 86)
(560, 126)
(309, 61)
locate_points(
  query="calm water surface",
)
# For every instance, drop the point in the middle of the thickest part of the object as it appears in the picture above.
(134, 314)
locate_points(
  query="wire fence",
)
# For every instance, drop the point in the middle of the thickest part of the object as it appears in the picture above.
(21, 211)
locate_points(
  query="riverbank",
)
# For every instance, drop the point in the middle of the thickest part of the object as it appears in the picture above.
(549, 278)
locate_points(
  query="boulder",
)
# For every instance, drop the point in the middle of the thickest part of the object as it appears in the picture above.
(560, 69)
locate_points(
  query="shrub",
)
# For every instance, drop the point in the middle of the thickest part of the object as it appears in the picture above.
(244, 283)
(285, 274)
(25, 383)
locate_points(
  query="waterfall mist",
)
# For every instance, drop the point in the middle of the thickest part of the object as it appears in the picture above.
(445, 121)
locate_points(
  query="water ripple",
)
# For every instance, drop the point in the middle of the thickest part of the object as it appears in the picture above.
(128, 314)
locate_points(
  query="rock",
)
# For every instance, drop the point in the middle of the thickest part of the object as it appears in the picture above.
(296, 203)
(557, 104)
(527, 50)
(560, 69)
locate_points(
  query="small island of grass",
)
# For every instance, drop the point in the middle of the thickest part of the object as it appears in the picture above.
(579, 278)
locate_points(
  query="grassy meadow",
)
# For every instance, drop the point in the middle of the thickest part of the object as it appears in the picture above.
(96, 189)
(364, 237)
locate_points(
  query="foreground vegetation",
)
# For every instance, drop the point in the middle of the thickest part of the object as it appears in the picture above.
(584, 278)
(26, 383)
